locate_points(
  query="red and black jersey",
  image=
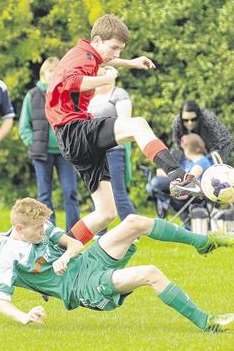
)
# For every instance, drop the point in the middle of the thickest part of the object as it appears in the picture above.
(64, 101)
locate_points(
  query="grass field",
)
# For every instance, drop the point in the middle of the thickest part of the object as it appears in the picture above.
(143, 323)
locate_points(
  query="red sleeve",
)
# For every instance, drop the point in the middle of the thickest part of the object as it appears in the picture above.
(73, 81)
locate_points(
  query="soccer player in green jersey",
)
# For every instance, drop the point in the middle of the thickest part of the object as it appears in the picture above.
(38, 256)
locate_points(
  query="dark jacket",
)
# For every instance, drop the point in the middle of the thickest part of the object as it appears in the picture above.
(40, 126)
(215, 135)
(34, 128)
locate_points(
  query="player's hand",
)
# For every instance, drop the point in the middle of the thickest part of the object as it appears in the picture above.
(60, 265)
(35, 315)
(144, 62)
(111, 74)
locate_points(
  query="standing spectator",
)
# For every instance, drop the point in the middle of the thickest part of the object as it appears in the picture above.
(193, 119)
(6, 111)
(43, 149)
(113, 101)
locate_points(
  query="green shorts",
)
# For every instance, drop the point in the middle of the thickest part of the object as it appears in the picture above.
(93, 287)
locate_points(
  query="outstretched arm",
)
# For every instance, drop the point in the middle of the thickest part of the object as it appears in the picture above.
(36, 314)
(73, 248)
(141, 62)
(89, 82)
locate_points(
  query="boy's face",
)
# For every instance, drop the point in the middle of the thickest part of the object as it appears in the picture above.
(49, 73)
(108, 49)
(32, 232)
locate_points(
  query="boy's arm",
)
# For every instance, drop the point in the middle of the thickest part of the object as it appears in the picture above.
(141, 62)
(90, 83)
(25, 122)
(36, 314)
(73, 248)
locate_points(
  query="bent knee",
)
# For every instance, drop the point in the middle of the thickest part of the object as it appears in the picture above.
(137, 223)
(111, 214)
(140, 122)
(153, 275)
(108, 215)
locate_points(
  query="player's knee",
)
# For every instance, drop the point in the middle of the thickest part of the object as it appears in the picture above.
(134, 222)
(140, 123)
(153, 275)
(138, 224)
(110, 214)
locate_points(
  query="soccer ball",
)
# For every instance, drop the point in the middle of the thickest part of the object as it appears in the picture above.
(217, 183)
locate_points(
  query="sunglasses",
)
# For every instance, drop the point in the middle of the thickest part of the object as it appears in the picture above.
(194, 119)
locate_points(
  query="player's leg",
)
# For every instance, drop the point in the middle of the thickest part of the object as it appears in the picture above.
(138, 129)
(117, 241)
(128, 279)
(166, 231)
(104, 212)
(105, 208)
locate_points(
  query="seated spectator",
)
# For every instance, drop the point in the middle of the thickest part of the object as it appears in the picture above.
(193, 119)
(196, 162)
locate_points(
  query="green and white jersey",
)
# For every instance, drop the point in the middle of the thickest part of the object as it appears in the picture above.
(29, 265)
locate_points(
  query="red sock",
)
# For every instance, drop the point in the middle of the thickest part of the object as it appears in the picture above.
(81, 232)
(153, 148)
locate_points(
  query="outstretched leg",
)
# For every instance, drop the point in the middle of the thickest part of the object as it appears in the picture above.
(128, 279)
(117, 241)
(137, 129)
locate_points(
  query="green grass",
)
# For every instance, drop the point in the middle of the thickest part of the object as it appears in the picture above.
(144, 322)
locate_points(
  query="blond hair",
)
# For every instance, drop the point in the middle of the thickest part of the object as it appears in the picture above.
(48, 63)
(29, 210)
(194, 143)
(109, 27)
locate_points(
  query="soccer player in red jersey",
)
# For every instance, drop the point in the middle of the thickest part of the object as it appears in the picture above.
(84, 140)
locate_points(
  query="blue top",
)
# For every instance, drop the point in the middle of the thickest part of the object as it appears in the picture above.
(204, 162)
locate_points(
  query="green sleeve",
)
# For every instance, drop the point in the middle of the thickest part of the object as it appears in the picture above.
(25, 122)
(128, 164)
(54, 233)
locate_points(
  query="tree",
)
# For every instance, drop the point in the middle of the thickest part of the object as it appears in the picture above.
(192, 40)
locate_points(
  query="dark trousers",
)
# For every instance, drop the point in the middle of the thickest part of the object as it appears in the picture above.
(68, 180)
(116, 162)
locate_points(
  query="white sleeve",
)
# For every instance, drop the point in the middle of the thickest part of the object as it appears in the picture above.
(7, 275)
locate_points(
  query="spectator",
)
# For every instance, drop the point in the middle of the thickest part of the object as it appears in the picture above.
(43, 149)
(193, 119)
(6, 111)
(112, 101)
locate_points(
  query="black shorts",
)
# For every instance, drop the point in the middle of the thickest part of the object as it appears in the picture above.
(84, 143)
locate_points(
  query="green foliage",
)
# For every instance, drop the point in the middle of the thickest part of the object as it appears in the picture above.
(192, 40)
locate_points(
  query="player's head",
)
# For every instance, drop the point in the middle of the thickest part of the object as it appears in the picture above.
(47, 69)
(28, 216)
(193, 144)
(109, 36)
(190, 113)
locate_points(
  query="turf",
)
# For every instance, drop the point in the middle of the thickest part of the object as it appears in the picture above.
(143, 323)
